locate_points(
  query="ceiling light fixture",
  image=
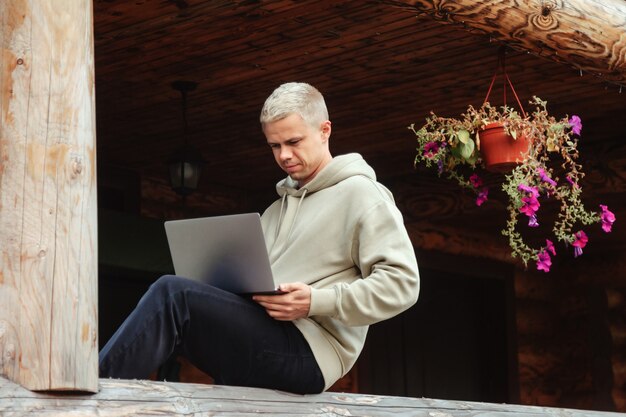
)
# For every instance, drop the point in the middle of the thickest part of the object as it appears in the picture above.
(186, 163)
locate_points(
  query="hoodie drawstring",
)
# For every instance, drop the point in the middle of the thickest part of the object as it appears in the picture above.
(283, 209)
(295, 216)
(281, 214)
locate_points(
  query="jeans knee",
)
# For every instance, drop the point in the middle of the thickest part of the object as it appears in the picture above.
(167, 285)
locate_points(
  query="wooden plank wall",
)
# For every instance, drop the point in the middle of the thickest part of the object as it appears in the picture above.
(572, 335)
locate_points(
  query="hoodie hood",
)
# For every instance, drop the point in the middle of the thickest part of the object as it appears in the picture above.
(337, 170)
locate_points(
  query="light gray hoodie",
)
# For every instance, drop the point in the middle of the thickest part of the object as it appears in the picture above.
(343, 235)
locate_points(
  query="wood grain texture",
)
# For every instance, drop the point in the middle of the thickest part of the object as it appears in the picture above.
(380, 66)
(570, 351)
(146, 398)
(587, 34)
(48, 235)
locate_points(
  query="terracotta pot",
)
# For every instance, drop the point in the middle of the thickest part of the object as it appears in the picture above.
(500, 151)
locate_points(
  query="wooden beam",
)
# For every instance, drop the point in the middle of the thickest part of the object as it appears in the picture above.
(147, 398)
(48, 222)
(589, 35)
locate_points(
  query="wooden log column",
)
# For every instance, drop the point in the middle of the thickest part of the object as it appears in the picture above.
(587, 34)
(48, 219)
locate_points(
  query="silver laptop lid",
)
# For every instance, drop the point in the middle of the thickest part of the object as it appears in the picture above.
(227, 252)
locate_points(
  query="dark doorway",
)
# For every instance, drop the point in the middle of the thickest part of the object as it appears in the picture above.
(455, 343)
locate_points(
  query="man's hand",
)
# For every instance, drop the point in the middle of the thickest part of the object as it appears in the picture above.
(294, 304)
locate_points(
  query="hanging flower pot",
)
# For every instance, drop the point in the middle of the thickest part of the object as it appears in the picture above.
(448, 145)
(501, 152)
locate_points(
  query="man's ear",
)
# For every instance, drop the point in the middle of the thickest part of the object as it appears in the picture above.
(326, 129)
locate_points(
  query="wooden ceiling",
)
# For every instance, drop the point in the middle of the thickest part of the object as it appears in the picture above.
(381, 67)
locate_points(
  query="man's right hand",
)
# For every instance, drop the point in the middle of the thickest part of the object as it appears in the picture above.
(293, 304)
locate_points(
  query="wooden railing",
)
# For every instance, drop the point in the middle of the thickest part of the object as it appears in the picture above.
(148, 398)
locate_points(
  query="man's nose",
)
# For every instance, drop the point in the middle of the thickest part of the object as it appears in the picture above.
(285, 153)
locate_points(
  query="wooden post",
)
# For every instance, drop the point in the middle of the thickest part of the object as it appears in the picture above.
(587, 34)
(48, 219)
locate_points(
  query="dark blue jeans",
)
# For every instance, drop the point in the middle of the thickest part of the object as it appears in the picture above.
(229, 337)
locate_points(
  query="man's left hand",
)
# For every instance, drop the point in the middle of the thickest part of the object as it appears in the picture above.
(292, 305)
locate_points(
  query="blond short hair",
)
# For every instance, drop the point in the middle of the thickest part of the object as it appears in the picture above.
(298, 98)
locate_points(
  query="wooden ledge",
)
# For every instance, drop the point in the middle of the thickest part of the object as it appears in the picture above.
(148, 398)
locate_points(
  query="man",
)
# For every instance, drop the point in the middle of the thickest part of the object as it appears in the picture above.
(339, 252)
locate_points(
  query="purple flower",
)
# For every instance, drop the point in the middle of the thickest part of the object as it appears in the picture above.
(571, 181)
(579, 243)
(476, 180)
(577, 124)
(530, 190)
(545, 177)
(608, 218)
(431, 149)
(530, 207)
(532, 221)
(440, 167)
(550, 247)
(482, 196)
(530, 203)
(543, 261)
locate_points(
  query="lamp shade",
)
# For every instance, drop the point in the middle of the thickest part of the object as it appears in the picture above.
(185, 168)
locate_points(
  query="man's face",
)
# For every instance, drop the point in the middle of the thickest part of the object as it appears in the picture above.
(300, 150)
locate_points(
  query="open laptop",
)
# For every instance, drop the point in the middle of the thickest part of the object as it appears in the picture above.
(227, 252)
